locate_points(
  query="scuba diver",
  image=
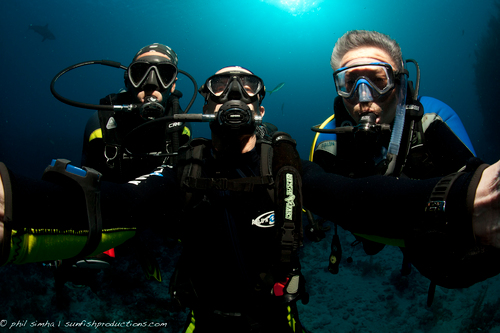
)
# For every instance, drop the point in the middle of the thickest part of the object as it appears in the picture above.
(375, 104)
(244, 283)
(149, 79)
(113, 146)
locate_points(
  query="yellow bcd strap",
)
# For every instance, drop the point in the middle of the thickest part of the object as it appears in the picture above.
(317, 134)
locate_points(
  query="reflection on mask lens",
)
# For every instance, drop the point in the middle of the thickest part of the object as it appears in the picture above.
(218, 84)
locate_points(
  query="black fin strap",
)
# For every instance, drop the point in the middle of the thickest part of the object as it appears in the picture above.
(7, 219)
(89, 181)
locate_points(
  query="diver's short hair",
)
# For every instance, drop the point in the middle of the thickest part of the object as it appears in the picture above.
(359, 38)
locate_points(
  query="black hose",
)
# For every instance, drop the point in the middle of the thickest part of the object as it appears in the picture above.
(105, 107)
(417, 83)
(80, 104)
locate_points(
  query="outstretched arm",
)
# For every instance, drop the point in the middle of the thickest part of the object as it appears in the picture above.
(368, 200)
(70, 224)
(379, 205)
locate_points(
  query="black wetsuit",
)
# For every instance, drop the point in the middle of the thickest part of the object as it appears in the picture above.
(104, 149)
(227, 247)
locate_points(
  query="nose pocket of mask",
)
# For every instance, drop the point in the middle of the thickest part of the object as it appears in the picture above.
(364, 93)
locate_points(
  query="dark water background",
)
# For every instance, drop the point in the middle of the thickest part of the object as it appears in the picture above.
(265, 36)
(275, 42)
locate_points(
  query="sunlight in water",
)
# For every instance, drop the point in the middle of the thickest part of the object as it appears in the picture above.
(296, 7)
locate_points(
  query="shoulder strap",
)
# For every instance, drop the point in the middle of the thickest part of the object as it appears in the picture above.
(413, 132)
(190, 165)
(287, 169)
(266, 160)
(174, 129)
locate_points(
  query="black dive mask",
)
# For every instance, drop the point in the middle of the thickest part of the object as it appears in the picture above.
(235, 119)
(221, 88)
(151, 71)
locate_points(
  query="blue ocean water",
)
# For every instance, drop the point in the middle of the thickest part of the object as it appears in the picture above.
(274, 40)
(280, 41)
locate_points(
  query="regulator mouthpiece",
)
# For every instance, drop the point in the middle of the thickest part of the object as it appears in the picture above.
(151, 109)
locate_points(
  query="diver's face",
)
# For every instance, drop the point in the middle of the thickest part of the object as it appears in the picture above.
(152, 92)
(211, 107)
(384, 106)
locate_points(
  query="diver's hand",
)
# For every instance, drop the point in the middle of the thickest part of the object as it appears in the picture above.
(486, 216)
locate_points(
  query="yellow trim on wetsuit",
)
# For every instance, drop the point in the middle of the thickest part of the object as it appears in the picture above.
(97, 134)
(36, 245)
(291, 321)
(191, 327)
(317, 134)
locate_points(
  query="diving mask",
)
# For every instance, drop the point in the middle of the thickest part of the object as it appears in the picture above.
(233, 86)
(368, 80)
(154, 70)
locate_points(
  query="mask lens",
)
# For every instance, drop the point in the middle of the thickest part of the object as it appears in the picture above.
(138, 72)
(217, 84)
(167, 73)
(379, 77)
(251, 84)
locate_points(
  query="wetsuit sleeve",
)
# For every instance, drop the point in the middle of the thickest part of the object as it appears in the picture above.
(444, 249)
(49, 221)
(372, 205)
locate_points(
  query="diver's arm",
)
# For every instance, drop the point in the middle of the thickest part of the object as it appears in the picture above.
(372, 205)
(56, 214)
(378, 205)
